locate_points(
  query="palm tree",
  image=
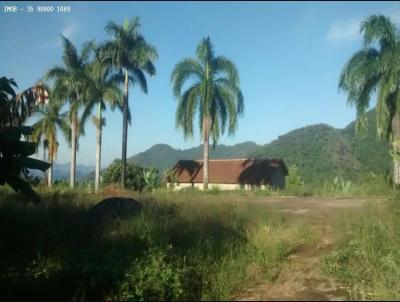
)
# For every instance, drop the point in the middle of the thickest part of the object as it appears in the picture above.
(214, 93)
(376, 67)
(71, 84)
(105, 92)
(49, 121)
(130, 57)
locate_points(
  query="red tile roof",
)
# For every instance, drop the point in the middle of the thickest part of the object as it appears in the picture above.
(229, 171)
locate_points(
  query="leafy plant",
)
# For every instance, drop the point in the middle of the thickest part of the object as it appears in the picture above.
(14, 153)
(170, 178)
(134, 175)
(341, 186)
(152, 278)
(293, 179)
(152, 179)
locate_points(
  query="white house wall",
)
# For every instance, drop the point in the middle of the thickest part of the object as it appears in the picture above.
(224, 187)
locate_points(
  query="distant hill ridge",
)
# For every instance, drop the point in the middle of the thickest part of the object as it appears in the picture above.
(61, 171)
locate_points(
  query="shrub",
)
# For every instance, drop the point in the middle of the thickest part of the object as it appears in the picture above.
(152, 179)
(171, 178)
(134, 175)
(293, 182)
(154, 277)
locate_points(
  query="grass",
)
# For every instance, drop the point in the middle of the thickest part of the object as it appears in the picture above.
(368, 256)
(186, 245)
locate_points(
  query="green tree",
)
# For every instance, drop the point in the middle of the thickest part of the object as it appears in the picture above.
(71, 85)
(104, 92)
(129, 56)
(214, 93)
(376, 67)
(50, 120)
(134, 175)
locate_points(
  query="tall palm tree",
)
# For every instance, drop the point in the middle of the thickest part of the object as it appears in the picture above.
(50, 120)
(129, 56)
(71, 83)
(214, 93)
(376, 67)
(105, 92)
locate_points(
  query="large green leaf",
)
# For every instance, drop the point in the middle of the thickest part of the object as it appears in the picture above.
(36, 164)
(9, 147)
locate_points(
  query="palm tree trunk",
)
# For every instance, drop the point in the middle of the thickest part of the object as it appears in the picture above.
(205, 153)
(45, 175)
(396, 137)
(124, 129)
(99, 128)
(73, 152)
(50, 173)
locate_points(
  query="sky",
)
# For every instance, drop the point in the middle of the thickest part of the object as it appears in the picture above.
(289, 56)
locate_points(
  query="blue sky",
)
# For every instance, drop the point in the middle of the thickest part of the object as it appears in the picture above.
(289, 56)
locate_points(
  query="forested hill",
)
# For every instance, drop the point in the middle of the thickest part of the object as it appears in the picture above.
(320, 151)
(323, 152)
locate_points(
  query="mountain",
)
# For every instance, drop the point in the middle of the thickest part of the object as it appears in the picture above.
(164, 156)
(368, 149)
(323, 152)
(320, 151)
(317, 150)
(61, 171)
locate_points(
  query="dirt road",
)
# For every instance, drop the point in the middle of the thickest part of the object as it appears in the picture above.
(301, 278)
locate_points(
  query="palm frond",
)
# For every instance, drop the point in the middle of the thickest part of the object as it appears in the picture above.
(380, 29)
(205, 50)
(183, 71)
(224, 65)
(186, 109)
(70, 54)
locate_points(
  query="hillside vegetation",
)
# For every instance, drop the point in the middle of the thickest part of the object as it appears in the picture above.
(320, 151)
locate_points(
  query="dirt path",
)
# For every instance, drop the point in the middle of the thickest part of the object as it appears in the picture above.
(301, 278)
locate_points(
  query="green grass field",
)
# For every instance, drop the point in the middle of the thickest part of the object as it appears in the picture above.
(181, 246)
(367, 257)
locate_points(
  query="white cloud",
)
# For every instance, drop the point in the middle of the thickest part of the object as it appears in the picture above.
(348, 30)
(70, 30)
(394, 16)
(344, 30)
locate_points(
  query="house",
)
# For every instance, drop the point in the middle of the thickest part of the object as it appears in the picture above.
(232, 174)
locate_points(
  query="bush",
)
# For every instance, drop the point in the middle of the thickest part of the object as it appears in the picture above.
(152, 179)
(134, 175)
(293, 182)
(171, 178)
(154, 278)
